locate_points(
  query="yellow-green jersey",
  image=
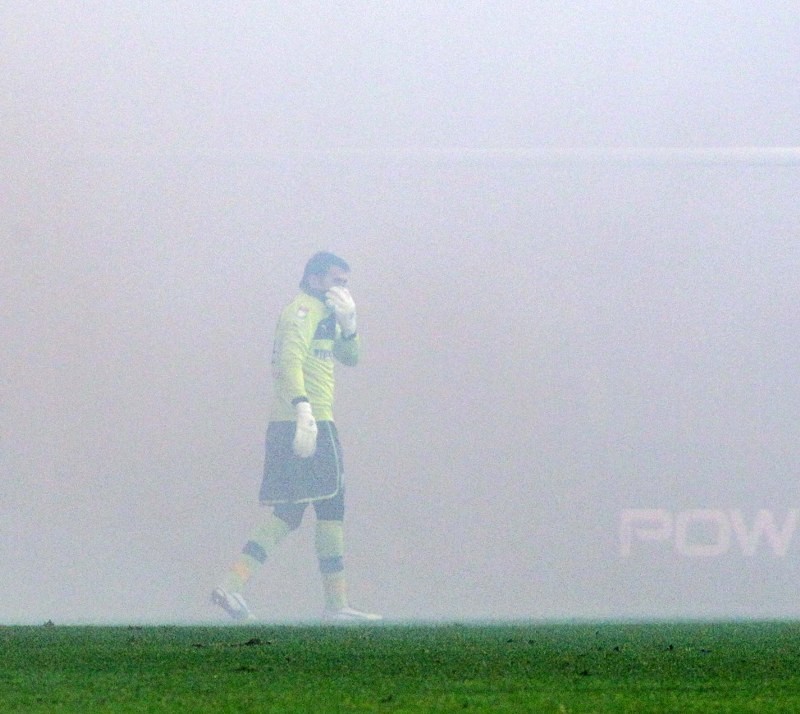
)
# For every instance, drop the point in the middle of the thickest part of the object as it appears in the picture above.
(307, 341)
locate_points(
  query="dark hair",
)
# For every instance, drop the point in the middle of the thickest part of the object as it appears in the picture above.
(319, 264)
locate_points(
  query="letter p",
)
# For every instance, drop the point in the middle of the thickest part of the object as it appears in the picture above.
(643, 524)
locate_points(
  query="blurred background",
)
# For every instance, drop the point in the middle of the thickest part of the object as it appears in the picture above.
(574, 239)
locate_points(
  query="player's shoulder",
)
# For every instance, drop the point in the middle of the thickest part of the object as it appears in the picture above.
(302, 308)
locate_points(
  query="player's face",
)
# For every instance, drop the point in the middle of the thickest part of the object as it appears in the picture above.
(335, 277)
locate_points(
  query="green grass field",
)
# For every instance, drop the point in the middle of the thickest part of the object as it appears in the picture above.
(607, 667)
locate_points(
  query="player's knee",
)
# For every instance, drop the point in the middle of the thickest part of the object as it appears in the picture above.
(291, 515)
(331, 509)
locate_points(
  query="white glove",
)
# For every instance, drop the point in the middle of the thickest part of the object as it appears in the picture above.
(305, 433)
(341, 301)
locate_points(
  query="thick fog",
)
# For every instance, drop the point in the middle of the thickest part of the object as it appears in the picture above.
(573, 234)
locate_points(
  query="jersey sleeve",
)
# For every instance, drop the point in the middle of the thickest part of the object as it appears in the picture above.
(291, 349)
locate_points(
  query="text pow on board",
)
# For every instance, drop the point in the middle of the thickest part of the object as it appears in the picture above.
(706, 532)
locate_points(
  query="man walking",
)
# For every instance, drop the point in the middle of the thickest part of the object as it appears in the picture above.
(303, 462)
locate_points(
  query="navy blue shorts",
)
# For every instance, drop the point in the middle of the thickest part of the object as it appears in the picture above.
(290, 479)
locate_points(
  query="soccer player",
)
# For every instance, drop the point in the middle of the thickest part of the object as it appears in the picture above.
(303, 462)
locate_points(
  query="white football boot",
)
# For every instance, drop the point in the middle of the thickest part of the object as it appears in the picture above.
(232, 603)
(349, 615)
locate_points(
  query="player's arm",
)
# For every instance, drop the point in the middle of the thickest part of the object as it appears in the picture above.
(346, 346)
(292, 351)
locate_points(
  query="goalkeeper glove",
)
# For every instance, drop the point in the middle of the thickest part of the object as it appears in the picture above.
(305, 433)
(341, 301)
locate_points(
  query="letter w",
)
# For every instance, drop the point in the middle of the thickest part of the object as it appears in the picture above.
(764, 524)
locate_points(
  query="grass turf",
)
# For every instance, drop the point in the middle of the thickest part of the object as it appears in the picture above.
(608, 667)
